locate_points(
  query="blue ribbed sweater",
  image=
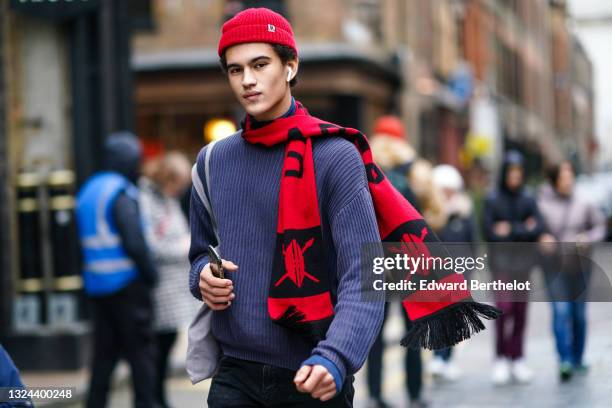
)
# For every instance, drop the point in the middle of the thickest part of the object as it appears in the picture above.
(244, 190)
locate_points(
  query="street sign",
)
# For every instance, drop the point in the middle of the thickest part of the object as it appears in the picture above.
(54, 9)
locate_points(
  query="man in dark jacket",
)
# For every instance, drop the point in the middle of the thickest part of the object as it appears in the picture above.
(511, 216)
(118, 271)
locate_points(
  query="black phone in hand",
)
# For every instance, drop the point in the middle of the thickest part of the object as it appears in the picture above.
(216, 265)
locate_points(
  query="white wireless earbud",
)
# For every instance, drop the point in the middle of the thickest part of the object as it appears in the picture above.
(289, 74)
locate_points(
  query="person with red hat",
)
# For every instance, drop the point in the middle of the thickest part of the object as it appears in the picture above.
(289, 315)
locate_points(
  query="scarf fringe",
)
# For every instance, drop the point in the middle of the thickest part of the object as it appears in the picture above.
(313, 331)
(449, 327)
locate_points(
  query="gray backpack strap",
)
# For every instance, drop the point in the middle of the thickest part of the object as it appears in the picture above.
(199, 187)
(203, 350)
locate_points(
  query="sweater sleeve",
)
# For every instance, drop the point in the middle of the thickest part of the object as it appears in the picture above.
(202, 234)
(356, 322)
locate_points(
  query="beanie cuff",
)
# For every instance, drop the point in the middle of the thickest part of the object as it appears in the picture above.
(256, 33)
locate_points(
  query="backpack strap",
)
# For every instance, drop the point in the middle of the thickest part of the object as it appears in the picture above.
(204, 193)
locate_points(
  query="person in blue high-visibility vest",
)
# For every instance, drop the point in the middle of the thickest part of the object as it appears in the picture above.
(118, 271)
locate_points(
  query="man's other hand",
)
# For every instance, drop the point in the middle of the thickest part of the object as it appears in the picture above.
(316, 381)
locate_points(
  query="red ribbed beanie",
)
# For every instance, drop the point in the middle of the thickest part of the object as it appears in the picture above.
(256, 25)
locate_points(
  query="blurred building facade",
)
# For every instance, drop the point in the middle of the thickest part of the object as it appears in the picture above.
(435, 63)
(583, 146)
(573, 90)
(65, 84)
(439, 81)
(509, 45)
(5, 215)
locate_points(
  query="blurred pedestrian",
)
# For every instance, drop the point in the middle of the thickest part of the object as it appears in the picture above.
(118, 272)
(411, 176)
(460, 229)
(393, 152)
(568, 220)
(511, 216)
(167, 234)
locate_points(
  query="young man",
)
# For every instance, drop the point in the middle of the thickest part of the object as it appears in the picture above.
(293, 198)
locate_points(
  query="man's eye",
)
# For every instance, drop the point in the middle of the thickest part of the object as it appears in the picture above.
(260, 65)
(234, 71)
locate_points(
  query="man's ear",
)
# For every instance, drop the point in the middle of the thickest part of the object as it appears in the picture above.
(292, 65)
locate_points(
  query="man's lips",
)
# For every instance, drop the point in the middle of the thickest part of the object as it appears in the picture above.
(251, 95)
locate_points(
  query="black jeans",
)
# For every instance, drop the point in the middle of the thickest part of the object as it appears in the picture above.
(244, 384)
(122, 329)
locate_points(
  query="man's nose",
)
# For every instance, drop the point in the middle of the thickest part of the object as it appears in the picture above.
(248, 79)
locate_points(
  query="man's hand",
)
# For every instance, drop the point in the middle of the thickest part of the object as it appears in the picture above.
(217, 293)
(316, 381)
(502, 228)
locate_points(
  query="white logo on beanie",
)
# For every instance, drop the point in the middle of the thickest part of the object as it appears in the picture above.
(271, 28)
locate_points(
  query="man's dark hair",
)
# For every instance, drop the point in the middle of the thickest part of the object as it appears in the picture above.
(285, 54)
(555, 170)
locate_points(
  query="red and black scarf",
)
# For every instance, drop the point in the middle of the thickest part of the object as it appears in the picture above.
(299, 297)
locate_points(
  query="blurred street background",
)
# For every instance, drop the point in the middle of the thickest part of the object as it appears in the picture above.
(469, 80)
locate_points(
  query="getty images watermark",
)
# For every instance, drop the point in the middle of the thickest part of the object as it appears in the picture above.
(515, 272)
(411, 265)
